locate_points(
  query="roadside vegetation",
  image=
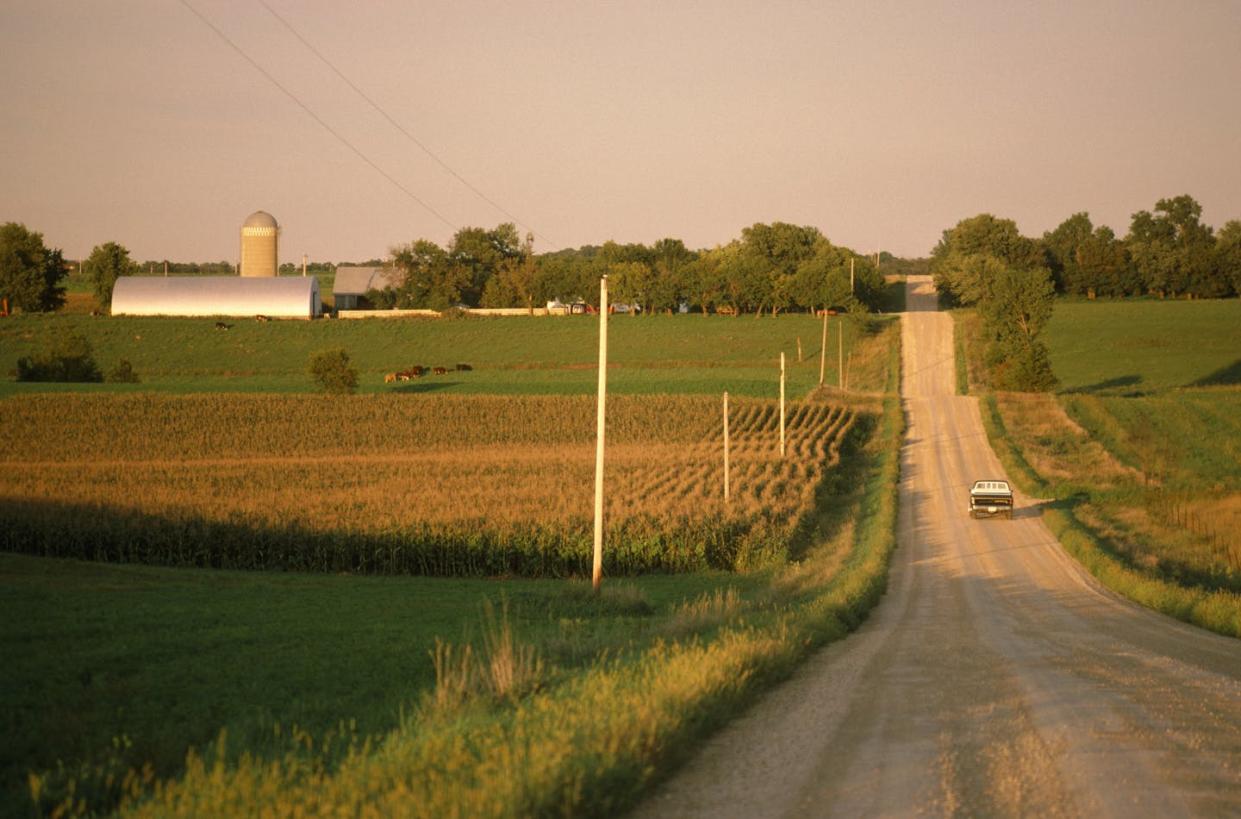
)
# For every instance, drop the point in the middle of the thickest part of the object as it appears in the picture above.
(1139, 451)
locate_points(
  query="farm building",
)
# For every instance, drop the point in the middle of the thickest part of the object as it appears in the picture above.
(353, 283)
(287, 297)
(260, 237)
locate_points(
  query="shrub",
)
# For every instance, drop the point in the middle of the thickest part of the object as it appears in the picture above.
(332, 372)
(123, 373)
(67, 358)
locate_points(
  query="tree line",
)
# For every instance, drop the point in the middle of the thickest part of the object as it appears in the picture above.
(770, 268)
(1168, 253)
(1011, 279)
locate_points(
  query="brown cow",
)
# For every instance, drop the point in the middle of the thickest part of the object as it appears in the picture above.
(439, 370)
(389, 378)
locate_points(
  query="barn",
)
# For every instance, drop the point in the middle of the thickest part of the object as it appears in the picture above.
(353, 283)
(278, 297)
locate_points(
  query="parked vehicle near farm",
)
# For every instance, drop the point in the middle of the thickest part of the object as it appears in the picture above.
(991, 497)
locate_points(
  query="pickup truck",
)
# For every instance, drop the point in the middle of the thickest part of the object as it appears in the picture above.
(989, 498)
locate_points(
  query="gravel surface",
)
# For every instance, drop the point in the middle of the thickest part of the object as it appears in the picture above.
(996, 678)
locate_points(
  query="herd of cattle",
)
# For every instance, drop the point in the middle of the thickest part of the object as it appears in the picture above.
(419, 371)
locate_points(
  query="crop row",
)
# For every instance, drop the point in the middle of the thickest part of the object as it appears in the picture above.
(485, 500)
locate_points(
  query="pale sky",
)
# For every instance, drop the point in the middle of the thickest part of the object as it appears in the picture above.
(880, 123)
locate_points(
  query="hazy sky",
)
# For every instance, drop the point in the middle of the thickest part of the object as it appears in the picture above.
(881, 123)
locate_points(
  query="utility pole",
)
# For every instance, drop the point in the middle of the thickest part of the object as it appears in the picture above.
(726, 442)
(596, 579)
(840, 354)
(823, 349)
(851, 290)
(781, 405)
(303, 265)
(165, 268)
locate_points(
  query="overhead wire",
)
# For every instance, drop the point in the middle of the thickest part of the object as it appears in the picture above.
(357, 151)
(392, 121)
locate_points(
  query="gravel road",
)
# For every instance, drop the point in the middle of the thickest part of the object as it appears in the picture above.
(996, 678)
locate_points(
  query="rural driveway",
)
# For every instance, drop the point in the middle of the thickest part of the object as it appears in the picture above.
(995, 678)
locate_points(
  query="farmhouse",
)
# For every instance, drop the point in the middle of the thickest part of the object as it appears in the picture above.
(277, 297)
(353, 283)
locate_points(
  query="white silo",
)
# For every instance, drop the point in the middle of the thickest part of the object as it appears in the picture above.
(259, 237)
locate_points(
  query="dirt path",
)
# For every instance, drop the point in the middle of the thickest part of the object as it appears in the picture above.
(996, 677)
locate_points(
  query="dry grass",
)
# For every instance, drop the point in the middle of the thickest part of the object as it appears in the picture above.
(1055, 445)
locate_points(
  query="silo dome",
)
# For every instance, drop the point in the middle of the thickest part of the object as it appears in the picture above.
(259, 236)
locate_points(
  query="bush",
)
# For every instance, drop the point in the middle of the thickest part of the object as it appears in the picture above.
(123, 373)
(332, 372)
(67, 358)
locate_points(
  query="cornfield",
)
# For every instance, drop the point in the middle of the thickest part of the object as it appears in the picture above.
(441, 485)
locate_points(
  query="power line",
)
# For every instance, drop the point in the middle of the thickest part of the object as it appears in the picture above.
(396, 124)
(319, 119)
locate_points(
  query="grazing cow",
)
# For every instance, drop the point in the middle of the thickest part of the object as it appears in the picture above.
(439, 370)
(417, 371)
(219, 325)
(261, 317)
(389, 378)
(464, 368)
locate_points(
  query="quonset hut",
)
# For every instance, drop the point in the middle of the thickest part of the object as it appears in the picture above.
(276, 297)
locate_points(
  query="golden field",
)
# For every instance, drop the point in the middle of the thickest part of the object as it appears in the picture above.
(426, 484)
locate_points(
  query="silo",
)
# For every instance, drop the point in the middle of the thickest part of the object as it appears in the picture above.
(259, 235)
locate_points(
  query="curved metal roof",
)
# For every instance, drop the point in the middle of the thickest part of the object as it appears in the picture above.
(285, 297)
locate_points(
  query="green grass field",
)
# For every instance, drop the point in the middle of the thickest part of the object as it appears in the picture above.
(168, 658)
(1145, 346)
(556, 355)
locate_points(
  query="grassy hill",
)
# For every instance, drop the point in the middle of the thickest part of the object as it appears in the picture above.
(556, 355)
(1144, 346)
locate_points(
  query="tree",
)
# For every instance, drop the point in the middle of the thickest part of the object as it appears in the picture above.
(1104, 266)
(68, 357)
(984, 261)
(123, 373)
(107, 263)
(704, 280)
(431, 278)
(1228, 255)
(1172, 250)
(479, 254)
(773, 255)
(670, 279)
(629, 283)
(1063, 245)
(30, 273)
(332, 372)
(981, 235)
(1015, 307)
